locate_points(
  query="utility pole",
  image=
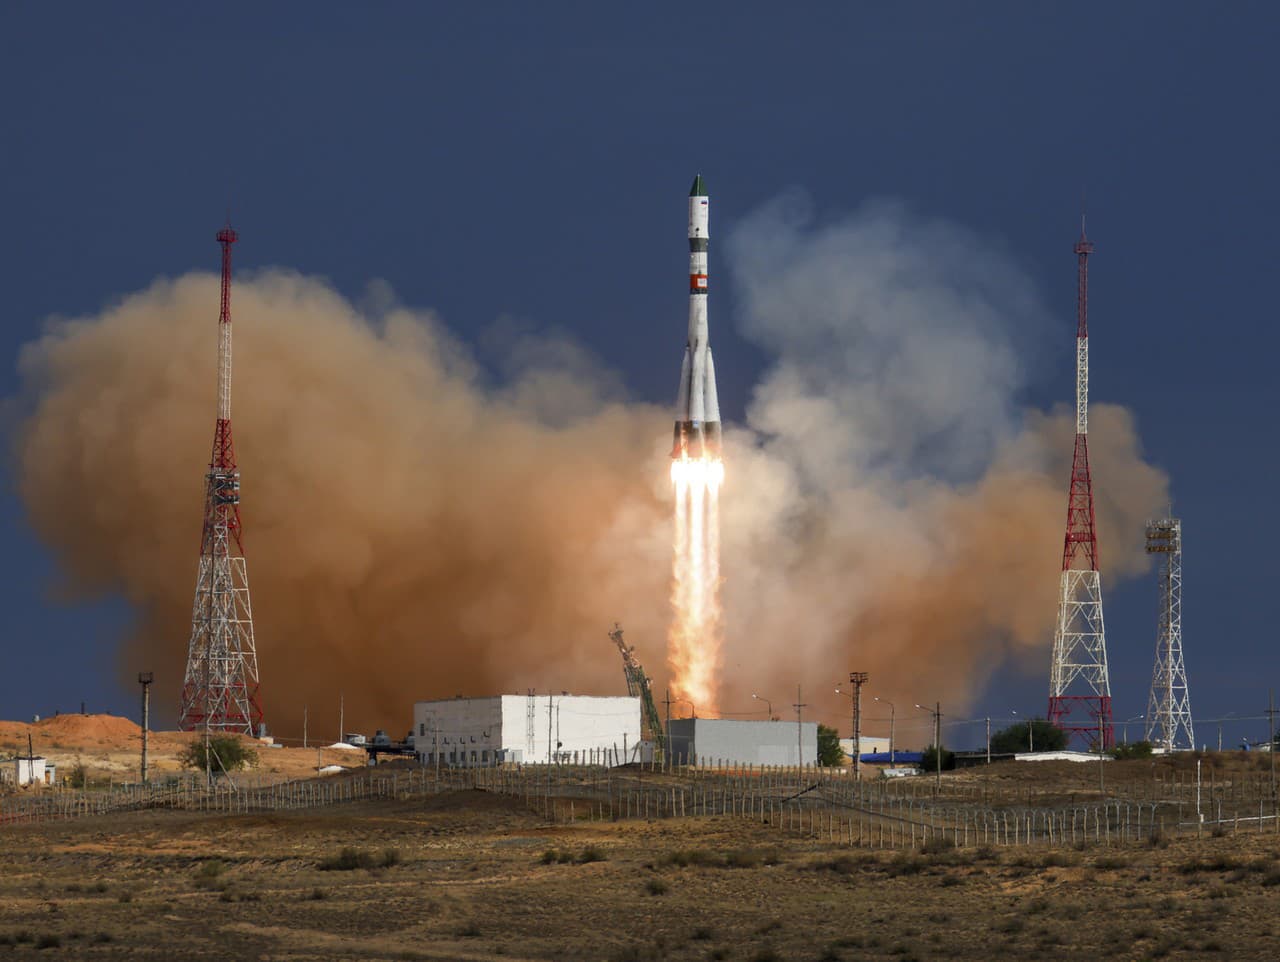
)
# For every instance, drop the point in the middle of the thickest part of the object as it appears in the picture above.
(988, 739)
(857, 679)
(668, 738)
(342, 728)
(304, 726)
(1271, 723)
(937, 738)
(799, 729)
(549, 699)
(144, 679)
(1102, 789)
(893, 715)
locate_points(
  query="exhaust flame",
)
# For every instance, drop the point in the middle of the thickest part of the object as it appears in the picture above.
(695, 638)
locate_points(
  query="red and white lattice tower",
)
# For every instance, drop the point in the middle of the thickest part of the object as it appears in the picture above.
(1079, 688)
(220, 689)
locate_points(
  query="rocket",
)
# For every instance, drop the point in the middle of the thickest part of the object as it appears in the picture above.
(697, 430)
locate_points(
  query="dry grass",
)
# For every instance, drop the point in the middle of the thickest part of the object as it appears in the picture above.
(466, 877)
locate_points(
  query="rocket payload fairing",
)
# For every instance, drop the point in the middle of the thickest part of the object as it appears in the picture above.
(697, 430)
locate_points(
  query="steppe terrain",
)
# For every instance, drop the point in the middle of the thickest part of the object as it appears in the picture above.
(473, 875)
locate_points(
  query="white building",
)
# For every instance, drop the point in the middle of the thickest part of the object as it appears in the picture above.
(721, 741)
(28, 770)
(871, 745)
(581, 729)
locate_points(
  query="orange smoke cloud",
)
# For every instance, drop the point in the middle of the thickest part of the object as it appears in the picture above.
(412, 532)
(408, 534)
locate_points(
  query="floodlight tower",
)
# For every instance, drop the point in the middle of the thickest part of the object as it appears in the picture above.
(1169, 724)
(220, 688)
(1078, 681)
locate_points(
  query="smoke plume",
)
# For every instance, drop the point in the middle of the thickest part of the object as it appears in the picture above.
(414, 530)
(896, 509)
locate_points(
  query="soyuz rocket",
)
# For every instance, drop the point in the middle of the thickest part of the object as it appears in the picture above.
(697, 430)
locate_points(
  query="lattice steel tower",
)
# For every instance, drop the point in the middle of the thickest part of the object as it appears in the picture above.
(220, 689)
(1169, 723)
(1079, 688)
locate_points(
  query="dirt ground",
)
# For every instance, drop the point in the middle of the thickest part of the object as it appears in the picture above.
(110, 748)
(474, 876)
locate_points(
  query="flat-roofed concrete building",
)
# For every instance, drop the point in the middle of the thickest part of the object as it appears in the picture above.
(711, 741)
(546, 729)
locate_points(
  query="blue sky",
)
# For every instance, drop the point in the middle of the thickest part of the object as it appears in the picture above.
(518, 160)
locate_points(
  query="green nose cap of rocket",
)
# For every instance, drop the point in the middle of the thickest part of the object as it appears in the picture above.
(699, 188)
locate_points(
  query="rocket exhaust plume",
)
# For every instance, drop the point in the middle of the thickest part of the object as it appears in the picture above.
(420, 530)
(695, 638)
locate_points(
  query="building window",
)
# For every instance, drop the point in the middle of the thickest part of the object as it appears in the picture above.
(473, 756)
(422, 728)
(484, 756)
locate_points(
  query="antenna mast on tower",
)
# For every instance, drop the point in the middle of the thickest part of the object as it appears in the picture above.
(220, 688)
(1169, 724)
(1079, 688)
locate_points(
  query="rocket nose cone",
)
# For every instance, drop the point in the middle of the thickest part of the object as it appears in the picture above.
(699, 188)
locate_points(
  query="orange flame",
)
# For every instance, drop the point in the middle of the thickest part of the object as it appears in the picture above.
(695, 639)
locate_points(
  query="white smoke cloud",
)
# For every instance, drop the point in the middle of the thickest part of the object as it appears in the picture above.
(892, 504)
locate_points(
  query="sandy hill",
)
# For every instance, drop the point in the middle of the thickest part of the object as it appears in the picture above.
(110, 748)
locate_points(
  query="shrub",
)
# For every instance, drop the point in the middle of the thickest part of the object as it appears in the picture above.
(227, 753)
(548, 857)
(685, 858)
(1045, 737)
(929, 761)
(79, 776)
(347, 860)
(655, 886)
(702, 934)
(469, 931)
(937, 844)
(1111, 862)
(742, 858)
(830, 754)
(317, 895)
(591, 854)
(1132, 750)
(208, 873)
(48, 942)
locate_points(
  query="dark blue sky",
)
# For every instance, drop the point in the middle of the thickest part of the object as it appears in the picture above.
(522, 159)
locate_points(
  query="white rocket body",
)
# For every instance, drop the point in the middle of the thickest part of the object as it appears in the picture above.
(697, 428)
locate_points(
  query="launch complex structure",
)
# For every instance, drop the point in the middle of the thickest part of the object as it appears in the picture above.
(1079, 687)
(1169, 723)
(220, 686)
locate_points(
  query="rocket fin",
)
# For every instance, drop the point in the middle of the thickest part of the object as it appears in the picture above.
(712, 404)
(682, 395)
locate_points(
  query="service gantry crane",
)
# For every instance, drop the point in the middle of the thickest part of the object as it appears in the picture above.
(638, 687)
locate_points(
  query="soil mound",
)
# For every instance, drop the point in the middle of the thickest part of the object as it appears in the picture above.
(90, 729)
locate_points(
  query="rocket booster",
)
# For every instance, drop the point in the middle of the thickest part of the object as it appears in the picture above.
(697, 430)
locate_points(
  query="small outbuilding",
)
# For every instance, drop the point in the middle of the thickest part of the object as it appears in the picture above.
(714, 741)
(29, 770)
